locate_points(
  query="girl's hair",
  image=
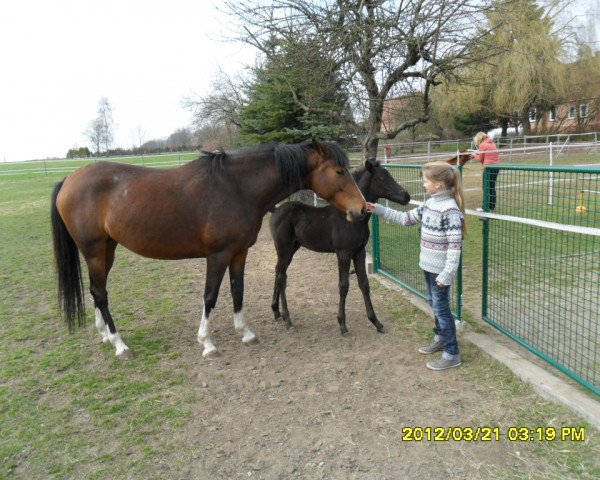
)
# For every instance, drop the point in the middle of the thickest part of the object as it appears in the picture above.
(478, 138)
(450, 177)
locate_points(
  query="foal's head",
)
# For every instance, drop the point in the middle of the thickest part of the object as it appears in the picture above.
(376, 182)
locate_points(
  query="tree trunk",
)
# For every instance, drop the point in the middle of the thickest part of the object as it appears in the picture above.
(504, 126)
(525, 122)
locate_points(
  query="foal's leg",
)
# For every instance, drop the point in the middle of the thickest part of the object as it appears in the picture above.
(215, 269)
(284, 258)
(236, 278)
(99, 264)
(344, 285)
(363, 283)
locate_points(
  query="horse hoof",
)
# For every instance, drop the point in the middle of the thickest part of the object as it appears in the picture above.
(124, 354)
(345, 333)
(253, 340)
(290, 328)
(211, 354)
(380, 329)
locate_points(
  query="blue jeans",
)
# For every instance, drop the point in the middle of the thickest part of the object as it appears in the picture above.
(439, 299)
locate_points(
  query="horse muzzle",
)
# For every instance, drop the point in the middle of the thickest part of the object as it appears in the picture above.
(354, 216)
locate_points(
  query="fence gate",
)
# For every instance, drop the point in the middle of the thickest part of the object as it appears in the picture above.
(541, 278)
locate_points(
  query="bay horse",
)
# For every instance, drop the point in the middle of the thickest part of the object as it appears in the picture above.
(323, 229)
(461, 158)
(211, 207)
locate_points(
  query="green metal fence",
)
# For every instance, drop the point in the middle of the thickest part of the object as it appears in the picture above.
(541, 278)
(395, 249)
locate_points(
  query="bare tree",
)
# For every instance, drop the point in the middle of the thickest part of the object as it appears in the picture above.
(105, 117)
(381, 49)
(94, 134)
(140, 135)
(222, 107)
(100, 131)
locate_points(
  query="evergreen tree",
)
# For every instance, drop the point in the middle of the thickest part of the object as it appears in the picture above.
(286, 105)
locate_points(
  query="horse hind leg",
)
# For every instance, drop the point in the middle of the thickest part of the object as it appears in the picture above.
(363, 283)
(344, 285)
(99, 265)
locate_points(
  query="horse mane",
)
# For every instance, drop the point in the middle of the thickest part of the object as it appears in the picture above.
(292, 163)
(215, 160)
(291, 159)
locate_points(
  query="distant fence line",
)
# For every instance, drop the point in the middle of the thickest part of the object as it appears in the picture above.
(47, 167)
(431, 148)
(539, 149)
(539, 153)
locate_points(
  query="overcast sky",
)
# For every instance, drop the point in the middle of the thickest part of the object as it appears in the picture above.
(59, 57)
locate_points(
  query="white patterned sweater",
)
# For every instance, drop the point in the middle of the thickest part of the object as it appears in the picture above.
(441, 235)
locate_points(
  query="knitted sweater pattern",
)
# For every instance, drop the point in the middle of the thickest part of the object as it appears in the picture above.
(441, 234)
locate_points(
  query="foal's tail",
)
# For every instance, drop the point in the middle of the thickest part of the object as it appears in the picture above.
(68, 268)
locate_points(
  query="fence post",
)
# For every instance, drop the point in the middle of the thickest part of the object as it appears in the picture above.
(551, 179)
(375, 243)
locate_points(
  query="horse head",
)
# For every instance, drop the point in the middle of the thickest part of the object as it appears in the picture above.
(330, 178)
(376, 182)
(463, 157)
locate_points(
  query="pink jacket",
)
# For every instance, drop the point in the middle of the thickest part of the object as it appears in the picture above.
(490, 157)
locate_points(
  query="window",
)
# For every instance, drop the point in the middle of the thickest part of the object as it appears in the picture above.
(532, 115)
(552, 114)
(571, 112)
(583, 110)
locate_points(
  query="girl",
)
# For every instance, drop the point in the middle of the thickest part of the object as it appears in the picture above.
(442, 228)
(488, 155)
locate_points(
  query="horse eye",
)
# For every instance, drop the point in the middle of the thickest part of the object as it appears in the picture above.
(340, 172)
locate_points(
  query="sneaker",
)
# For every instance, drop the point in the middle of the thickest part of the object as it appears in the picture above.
(479, 209)
(443, 364)
(432, 347)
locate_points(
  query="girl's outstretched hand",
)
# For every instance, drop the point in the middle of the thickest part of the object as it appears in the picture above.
(370, 207)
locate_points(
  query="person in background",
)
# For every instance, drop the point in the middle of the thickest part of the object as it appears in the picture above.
(487, 155)
(442, 227)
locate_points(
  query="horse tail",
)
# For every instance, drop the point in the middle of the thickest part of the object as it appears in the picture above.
(68, 268)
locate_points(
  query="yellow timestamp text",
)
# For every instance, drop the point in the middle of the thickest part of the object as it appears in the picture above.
(493, 434)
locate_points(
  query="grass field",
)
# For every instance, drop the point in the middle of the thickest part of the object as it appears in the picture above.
(61, 407)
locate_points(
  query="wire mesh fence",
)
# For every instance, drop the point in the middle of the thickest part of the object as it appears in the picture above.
(541, 282)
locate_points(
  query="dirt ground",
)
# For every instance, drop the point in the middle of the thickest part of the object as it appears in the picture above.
(313, 404)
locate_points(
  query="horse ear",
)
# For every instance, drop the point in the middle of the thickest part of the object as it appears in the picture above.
(370, 163)
(318, 146)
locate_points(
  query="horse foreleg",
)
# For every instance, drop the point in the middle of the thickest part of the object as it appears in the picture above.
(215, 269)
(363, 283)
(344, 285)
(236, 278)
(284, 258)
